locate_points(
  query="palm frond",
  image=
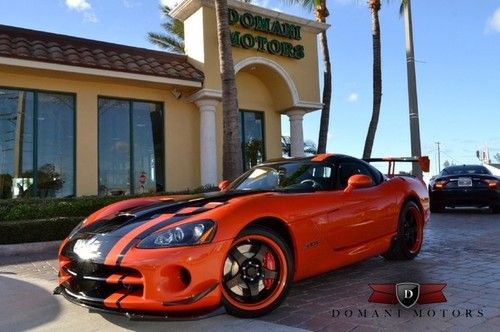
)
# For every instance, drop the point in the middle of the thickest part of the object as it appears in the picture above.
(173, 38)
(166, 42)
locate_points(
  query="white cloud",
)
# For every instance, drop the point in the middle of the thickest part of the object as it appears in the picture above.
(90, 17)
(493, 23)
(78, 5)
(353, 97)
(84, 7)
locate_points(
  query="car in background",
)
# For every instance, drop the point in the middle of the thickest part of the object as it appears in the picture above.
(464, 185)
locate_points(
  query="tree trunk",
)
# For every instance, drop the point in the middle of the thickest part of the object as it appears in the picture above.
(232, 164)
(327, 91)
(416, 150)
(377, 83)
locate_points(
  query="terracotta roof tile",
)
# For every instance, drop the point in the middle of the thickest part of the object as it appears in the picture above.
(55, 48)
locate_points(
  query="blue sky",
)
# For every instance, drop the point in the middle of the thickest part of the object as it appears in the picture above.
(457, 49)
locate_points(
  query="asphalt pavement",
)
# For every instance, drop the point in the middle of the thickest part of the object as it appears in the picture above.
(461, 249)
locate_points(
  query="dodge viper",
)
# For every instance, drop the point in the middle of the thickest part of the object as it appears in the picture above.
(241, 248)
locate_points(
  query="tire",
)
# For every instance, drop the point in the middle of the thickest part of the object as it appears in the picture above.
(408, 241)
(495, 208)
(257, 253)
(436, 208)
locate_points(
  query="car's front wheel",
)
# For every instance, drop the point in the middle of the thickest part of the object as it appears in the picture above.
(410, 234)
(257, 273)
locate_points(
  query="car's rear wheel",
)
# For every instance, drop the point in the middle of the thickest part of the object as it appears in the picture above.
(409, 238)
(257, 273)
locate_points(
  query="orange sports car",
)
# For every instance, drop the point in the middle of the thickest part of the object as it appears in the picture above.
(242, 247)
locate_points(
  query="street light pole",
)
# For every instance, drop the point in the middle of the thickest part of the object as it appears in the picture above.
(412, 90)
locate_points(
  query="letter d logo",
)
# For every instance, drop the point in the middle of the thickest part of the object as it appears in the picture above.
(407, 293)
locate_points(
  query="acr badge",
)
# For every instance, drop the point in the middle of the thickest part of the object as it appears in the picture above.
(407, 293)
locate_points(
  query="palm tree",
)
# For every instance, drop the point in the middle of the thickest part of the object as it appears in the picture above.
(172, 39)
(416, 151)
(321, 13)
(374, 6)
(232, 163)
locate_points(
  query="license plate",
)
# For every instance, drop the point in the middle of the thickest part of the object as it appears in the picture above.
(464, 182)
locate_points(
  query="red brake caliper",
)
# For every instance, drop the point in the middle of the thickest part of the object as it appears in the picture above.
(269, 264)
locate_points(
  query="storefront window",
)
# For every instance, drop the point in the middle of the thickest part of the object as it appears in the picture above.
(36, 133)
(130, 147)
(252, 134)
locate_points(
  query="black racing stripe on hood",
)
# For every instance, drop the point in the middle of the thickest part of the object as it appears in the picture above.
(110, 230)
(121, 224)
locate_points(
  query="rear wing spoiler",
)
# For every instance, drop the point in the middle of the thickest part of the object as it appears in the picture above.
(423, 161)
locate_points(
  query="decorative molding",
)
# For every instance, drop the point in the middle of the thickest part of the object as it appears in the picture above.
(206, 94)
(188, 7)
(97, 72)
(308, 105)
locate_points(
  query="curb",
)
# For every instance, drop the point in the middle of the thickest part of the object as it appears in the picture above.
(9, 250)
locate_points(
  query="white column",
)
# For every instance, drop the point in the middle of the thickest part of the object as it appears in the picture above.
(208, 147)
(296, 132)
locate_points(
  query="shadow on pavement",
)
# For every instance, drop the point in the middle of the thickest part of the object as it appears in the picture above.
(27, 258)
(24, 305)
(466, 210)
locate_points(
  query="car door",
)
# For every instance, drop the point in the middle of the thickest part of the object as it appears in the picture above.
(359, 216)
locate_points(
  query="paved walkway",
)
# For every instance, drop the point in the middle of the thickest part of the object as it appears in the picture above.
(461, 249)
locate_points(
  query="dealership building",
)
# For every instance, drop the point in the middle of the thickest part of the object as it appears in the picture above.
(85, 117)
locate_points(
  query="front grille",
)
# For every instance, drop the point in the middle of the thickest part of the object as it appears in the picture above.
(91, 283)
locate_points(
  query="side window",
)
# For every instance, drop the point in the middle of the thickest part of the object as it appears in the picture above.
(348, 169)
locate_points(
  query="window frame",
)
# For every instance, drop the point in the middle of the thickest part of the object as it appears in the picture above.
(130, 102)
(36, 92)
(242, 118)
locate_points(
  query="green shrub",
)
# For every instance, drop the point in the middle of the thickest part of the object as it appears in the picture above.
(36, 220)
(44, 209)
(36, 230)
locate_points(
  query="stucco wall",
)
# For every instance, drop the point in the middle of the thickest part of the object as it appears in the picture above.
(181, 121)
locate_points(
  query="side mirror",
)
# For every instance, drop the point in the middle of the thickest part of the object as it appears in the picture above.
(358, 181)
(224, 184)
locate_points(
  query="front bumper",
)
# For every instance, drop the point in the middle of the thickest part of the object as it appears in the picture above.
(181, 282)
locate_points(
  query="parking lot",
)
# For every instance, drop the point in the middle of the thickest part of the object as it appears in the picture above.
(461, 249)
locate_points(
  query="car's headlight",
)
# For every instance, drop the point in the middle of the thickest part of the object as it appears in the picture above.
(183, 235)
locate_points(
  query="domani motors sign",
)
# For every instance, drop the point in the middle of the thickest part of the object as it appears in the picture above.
(263, 44)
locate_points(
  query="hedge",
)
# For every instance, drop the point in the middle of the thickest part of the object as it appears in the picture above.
(36, 230)
(45, 209)
(35, 220)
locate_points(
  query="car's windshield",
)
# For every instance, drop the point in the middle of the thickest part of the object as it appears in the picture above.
(288, 175)
(471, 169)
